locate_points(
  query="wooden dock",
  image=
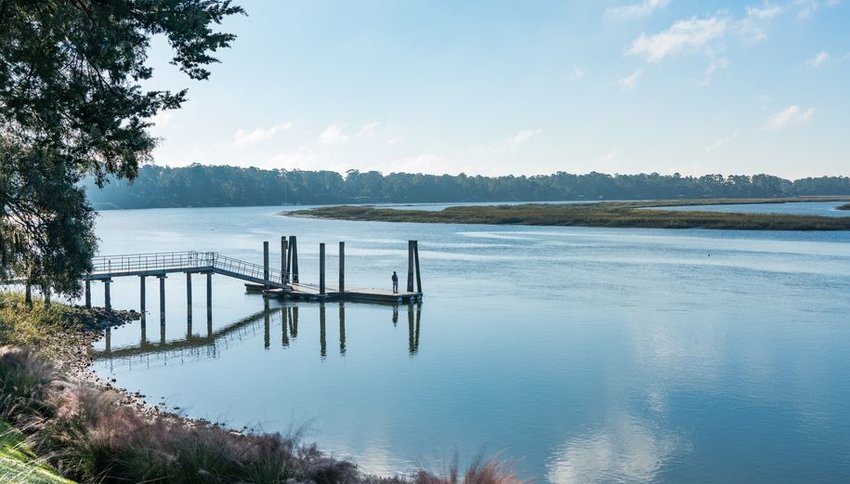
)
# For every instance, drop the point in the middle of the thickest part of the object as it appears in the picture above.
(284, 283)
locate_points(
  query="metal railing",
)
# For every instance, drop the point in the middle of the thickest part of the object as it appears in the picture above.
(182, 261)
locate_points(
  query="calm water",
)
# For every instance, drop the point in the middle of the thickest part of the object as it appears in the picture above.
(823, 209)
(584, 354)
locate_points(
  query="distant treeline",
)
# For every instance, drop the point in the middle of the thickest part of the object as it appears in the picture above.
(216, 186)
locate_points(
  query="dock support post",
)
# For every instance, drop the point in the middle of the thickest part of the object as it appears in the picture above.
(161, 297)
(189, 290)
(409, 266)
(416, 265)
(266, 262)
(209, 290)
(341, 267)
(322, 269)
(142, 295)
(293, 251)
(266, 324)
(88, 293)
(284, 277)
(284, 334)
(106, 294)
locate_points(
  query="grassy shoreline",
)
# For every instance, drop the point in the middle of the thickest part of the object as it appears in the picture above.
(60, 421)
(645, 214)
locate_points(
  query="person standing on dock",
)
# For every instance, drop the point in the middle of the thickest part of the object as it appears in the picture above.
(395, 283)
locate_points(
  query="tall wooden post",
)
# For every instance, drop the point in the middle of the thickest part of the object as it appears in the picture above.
(283, 275)
(409, 266)
(88, 293)
(106, 294)
(266, 261)
(288, 269)
(209, 290)
(341, 267)
(161, 297)
(188, 305)
(266, 325)
(322, 269)
(284, 334)
(416, 265)
(293, 250)
(142, 295)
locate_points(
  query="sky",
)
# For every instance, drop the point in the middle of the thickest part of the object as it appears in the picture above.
(525, 87)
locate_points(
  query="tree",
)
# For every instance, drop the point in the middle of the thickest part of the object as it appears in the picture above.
(72, 104)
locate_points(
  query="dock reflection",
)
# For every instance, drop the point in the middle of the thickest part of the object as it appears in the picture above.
(208, 345)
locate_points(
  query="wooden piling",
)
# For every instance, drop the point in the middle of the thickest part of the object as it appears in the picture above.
(284, 333)
(293, 250)
(189, 289)
(342, 329)
(161, 297)
(266, 325)
(283, 272)
(322, 269)
(88, 293)
(266, 261)
(106, 294)
(416, 265)
(409, 266)
(288, 269)
(341, 267)
(209, 291)
(142, 295)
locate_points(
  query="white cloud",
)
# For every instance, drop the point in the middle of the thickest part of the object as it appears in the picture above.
(630, 82)
(302, 158)
(513, 143)
(792, 115)
(575, 74)
(333, 134)
(637, 10)
(522, 137)
(818, 59)
(684, 35)
(806, 8)
(720, 142)
(714, 65)
(162, 118)
(246, 138)
(608, 157)
(767, 11)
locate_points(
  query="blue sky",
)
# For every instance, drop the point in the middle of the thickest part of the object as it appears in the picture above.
(522, 87)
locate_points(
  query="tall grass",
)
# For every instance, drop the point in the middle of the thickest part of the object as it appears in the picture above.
(601, 214)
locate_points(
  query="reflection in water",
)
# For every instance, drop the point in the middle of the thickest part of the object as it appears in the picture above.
(288, 316)
(627, 451)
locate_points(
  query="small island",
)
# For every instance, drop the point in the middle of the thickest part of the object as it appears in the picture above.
(643, 214)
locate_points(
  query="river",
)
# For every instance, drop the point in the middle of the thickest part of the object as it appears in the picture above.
(580, 354)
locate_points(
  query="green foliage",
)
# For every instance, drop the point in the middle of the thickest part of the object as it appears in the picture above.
(216, 186)
(72, 103)
(19, 464)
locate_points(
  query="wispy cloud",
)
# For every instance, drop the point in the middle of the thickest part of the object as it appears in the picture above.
(336, 133)
(575, 74)
(609, 157)
(766, 11)
(513, 143)
(714, 65)
(246, 138)
(684, 35)
(818, 59)
(807, 8)
(720, 142)
(636, 10)
(629, 82)
(790, 116)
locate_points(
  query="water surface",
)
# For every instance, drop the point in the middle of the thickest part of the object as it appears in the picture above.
(586, 354)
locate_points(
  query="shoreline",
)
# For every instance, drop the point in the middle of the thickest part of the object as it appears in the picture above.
(645, 214)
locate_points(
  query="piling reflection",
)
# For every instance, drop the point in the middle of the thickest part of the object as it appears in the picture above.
(287, 316)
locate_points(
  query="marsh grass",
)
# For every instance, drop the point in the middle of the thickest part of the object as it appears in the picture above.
(599, 214)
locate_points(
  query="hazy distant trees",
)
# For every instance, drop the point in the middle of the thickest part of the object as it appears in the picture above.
(201, 185)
